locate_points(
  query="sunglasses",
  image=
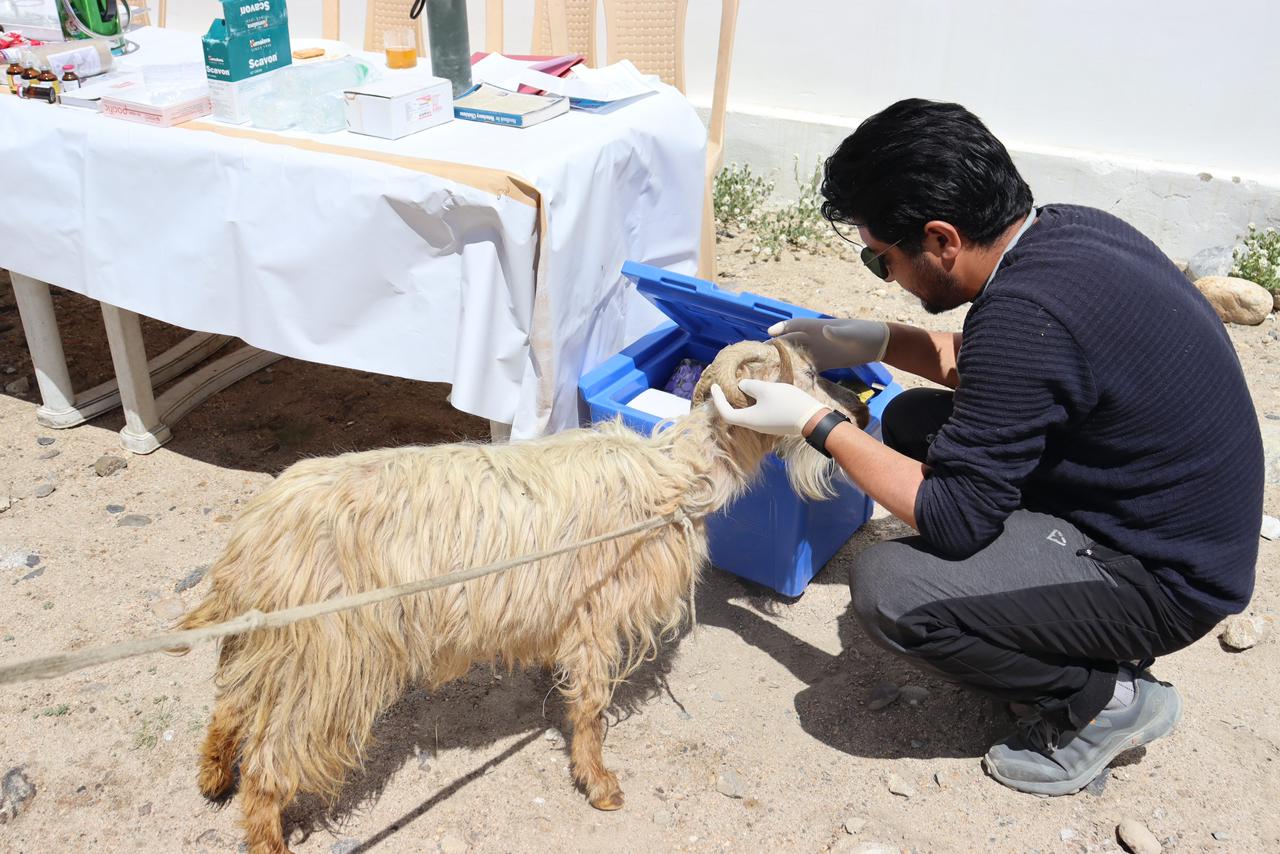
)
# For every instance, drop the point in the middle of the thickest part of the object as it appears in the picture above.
(872, 260)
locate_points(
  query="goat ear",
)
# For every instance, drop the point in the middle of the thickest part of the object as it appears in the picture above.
(847, 400)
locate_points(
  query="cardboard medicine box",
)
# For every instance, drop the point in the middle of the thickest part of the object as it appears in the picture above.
(239, 57)
(399, 105)
(769, 535)
(247, 17)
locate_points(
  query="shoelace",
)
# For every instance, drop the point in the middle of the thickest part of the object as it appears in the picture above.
(1040, 734)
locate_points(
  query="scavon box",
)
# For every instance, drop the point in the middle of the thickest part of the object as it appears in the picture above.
(250, 39)
(769, 535)
(246, 17)
(231, 58)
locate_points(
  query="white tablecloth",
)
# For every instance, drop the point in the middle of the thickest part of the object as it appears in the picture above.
(406, 265)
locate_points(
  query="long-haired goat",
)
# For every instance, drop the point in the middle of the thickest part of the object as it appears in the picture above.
(295, 705)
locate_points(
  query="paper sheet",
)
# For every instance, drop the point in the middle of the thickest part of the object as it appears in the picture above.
(660, 403)
(586, 87)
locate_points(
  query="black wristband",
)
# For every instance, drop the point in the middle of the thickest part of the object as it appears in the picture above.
(818, 438)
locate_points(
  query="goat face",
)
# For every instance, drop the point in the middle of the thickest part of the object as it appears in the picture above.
(777, 361)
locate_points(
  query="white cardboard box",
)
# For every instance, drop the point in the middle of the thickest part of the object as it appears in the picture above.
(399, 105)
(136, 106)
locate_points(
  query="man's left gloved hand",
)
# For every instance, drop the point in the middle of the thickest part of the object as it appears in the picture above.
(780, 409)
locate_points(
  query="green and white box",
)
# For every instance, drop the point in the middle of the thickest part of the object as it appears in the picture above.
(246, 17)
(237, 57)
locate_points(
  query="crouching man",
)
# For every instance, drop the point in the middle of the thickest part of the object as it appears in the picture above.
(1087, 496)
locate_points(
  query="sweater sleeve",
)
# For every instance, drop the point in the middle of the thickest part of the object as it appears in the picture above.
(1022, 375)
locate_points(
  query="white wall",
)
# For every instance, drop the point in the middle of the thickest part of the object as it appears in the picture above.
(1125, 104)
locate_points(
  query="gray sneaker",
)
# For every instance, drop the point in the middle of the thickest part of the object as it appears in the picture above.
(1042, 760)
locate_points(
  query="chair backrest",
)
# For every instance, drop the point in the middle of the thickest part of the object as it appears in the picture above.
(379, 16)
(650, 33)
(141, 15)
(574, 22)
(382, 14)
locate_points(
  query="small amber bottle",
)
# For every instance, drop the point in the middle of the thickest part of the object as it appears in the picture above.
(12, 75)
(50, 80)
(30, 77)
(70, 80)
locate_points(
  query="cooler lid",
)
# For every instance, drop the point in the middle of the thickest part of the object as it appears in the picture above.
(706, 312)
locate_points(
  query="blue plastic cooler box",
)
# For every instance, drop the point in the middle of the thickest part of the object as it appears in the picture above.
(769, 535)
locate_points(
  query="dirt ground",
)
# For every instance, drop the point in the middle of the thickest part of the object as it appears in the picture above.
(767, 699)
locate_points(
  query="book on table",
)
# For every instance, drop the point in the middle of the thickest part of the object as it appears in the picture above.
(486, 103)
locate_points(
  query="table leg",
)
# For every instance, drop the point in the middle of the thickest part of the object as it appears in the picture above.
(62, 406)
(39, 323)
(143, 431)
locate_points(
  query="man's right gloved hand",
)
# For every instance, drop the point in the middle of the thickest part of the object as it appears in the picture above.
(835, 342)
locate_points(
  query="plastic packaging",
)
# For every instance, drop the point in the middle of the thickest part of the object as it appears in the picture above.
(273, 111)
(325, 113)
(89, 56)
(174, 82)
(308, 95)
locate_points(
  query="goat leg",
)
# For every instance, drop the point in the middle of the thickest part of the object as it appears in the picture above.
(588, 698)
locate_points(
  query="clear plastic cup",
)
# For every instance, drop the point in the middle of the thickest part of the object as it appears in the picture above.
(401, 47)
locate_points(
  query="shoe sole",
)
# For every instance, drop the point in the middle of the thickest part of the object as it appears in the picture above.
(1159, 727)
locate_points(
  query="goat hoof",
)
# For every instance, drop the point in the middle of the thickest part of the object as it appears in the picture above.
(609, 802)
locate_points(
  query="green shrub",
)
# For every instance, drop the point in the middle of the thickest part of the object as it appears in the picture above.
(1257, 258)
(740, 200)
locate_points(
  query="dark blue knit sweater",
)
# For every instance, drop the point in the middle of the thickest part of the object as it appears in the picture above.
(1098, 385)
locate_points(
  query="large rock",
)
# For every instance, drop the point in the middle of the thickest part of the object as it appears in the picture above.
(1236, 300)
(1214, 261)
(16, 790)
(1241, 632)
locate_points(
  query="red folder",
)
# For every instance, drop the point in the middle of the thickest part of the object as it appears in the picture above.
(556, 66)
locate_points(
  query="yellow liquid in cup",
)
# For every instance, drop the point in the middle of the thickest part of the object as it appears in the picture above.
(401, 57)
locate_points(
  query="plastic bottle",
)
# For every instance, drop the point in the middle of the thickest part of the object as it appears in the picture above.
(70, 82)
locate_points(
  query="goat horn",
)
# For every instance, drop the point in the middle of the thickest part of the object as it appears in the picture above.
(725, 375)
(786, 371)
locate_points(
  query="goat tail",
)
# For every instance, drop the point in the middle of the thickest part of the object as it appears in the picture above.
(213, 609)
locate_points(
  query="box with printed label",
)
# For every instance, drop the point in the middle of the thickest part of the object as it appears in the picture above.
(245, 17)
(237, 57)
(136, 105)
(399, 105)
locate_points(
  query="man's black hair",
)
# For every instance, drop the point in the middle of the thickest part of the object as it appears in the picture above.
(917, 161)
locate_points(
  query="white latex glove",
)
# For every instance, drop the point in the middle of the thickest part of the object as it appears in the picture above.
(836, 342)
(780, 409)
